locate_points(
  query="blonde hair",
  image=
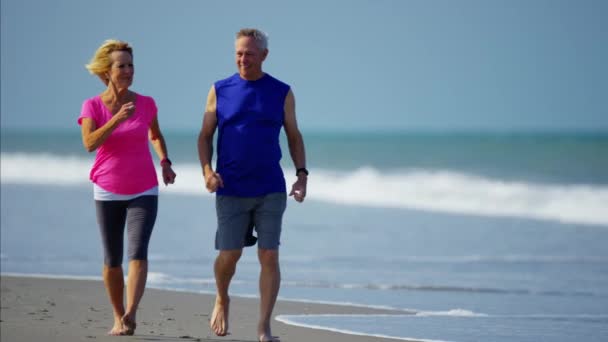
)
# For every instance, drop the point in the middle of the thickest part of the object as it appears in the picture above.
(101, 61)
(261, 38)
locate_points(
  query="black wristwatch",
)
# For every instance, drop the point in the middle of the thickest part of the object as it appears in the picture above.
(166, 161)
(302, 169)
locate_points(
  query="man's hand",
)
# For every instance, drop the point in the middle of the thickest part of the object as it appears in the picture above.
(213, 181)
(298, 189)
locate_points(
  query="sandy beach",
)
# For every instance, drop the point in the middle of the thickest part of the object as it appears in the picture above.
(40, 309)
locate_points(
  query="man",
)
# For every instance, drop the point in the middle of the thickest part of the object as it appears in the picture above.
(248, 109)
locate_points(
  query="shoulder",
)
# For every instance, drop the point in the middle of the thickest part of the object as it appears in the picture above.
(92, 105)
(91, 108)
(146, 103)
(277, 82)
(91, 101)
(144, 99)
(282, 87)
(228, 81)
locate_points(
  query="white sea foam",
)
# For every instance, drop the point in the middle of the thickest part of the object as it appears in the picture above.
(344, 303)
(51, 276)
(433, 190)
(293, 320)
(410, 313)
(454, 192)
(335, 322)
(44, 169)
(451, 313)
(162, 279)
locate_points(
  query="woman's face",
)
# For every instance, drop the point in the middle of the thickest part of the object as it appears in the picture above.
(122, 70)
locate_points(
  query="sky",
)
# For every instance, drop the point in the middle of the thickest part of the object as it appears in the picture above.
(352, 64)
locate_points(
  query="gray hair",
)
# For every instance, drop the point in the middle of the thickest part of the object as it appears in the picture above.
(261, 38)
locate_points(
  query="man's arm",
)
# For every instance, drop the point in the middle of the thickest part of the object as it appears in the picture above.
(205, 143)
(296, 146)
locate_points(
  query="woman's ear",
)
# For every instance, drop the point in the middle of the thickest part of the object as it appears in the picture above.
(104, 78)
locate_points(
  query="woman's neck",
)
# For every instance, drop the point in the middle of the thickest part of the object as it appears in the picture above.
(114, 94)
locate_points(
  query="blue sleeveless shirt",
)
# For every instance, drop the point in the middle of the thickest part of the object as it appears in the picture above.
(249, 118)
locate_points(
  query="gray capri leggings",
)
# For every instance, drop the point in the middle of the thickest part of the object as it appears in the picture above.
(139, 214)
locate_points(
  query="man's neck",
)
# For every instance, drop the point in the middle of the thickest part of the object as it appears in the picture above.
(252, 77)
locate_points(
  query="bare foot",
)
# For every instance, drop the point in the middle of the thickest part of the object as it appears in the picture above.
(116, 329)
(264, 334)
(128, 325)
(219, 317)
(268, 338)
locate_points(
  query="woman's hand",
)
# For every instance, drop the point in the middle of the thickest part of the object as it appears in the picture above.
(168, 174)
(125, 112)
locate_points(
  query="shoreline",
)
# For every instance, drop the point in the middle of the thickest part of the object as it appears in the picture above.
(67, 309)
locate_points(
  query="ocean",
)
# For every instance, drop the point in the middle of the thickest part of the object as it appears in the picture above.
(473, 236)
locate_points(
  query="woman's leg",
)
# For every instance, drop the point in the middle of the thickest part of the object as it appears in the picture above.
(113, 278)
(141, 216)
(111, 217)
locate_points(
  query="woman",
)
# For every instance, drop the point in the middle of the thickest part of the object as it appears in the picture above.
(117, 124)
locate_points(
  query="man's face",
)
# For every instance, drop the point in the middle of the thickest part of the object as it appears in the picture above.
(249, 57)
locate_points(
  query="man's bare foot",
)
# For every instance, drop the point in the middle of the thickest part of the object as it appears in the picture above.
(264, 334)
(219, 317)
(116, 329)
(268, 338)
(128, 325)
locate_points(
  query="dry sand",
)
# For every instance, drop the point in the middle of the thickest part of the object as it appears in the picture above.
(40, 309)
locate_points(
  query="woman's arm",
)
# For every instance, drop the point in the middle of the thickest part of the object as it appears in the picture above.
(160, 147)
(93, 137)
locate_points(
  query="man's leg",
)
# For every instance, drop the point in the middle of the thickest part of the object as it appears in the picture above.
(270, 281)
(268, 219)
(224, 268)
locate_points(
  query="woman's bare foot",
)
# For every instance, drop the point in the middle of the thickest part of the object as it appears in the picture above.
(128, 325)
(116, 329)
(219, 317)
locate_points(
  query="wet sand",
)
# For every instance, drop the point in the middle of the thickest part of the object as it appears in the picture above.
(66, 310)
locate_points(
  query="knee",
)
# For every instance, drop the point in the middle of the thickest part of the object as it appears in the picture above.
(138, 253)
(268, 257)
(229, 257)
(138, 264)
(112, 272)
(113, 260)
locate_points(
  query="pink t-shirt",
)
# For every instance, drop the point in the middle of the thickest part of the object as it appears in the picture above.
(123, 163)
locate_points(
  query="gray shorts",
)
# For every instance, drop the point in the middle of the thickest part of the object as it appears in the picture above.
(235, 215)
